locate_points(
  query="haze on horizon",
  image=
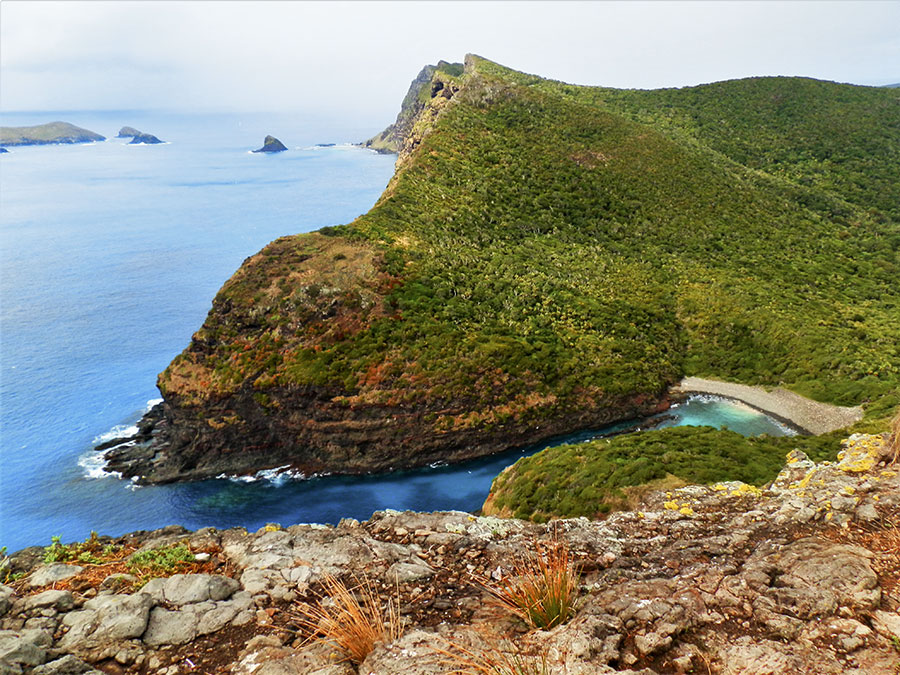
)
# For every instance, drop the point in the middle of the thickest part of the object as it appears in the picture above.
(355, 60)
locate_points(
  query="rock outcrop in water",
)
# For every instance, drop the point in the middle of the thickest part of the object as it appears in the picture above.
(137, 137)
(271, 144)
(47, 134)
(801, 576)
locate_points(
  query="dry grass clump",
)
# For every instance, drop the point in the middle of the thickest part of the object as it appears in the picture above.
(540, 588)
(350, 618)
(500, 658)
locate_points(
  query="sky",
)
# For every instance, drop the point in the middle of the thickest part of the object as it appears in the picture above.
(355, 60)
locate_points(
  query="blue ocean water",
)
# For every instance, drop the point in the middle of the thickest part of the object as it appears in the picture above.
(110, 257)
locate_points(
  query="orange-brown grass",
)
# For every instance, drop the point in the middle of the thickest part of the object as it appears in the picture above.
(500, 658)
(541, 587)
(350, 618)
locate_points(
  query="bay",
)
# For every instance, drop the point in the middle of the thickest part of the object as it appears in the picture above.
(110, 256)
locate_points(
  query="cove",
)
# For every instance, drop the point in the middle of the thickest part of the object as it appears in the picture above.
(328, 499)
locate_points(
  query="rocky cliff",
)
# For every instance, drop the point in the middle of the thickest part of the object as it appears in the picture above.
(799, 577)
(546, 258)
(422, 89)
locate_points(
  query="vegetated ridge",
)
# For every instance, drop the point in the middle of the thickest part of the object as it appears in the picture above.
(550, 257)
(46, 134)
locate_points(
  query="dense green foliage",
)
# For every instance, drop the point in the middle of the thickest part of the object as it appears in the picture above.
(545, 247)
(587, 479)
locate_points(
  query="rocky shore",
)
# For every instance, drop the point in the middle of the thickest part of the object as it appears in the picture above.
(803, 576)
(811, 416)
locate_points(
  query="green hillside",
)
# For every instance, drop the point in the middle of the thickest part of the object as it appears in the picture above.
(546, 250)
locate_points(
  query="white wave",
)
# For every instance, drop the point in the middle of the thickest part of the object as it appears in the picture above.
(277, 476)
(118, 431)
(94, 466)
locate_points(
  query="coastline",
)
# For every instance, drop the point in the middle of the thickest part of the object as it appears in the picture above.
(812, 417)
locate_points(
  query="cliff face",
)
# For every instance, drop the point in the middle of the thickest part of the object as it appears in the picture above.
(423, 88)
(545, 258)
(800, 576)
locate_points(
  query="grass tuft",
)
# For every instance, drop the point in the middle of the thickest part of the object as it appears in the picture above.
(351, 618)
(542, 588)
(502, 658)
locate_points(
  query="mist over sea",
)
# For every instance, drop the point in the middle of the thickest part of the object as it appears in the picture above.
(110, 255)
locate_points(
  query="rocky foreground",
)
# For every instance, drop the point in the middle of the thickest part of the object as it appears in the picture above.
(801, 577)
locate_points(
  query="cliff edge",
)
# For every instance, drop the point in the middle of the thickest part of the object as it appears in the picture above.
(800, 576)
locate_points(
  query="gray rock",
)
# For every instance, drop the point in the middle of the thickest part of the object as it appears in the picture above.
(105, 619)
(62, 601)
(404, 572)
(170, 627)
(7, 595)
(217, 618)
(886, 623)
(24, 647)
(48, 574)
(67, 665)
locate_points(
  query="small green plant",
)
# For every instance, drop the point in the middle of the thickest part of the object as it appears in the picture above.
(351, 618)
(6, 574)
(56, 551)
(542, 587)
(160, 562)
(91, 551)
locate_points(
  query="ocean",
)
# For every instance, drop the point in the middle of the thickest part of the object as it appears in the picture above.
(110, 255)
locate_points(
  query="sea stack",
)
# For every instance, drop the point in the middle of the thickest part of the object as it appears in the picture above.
(271, 144)
(137, 137)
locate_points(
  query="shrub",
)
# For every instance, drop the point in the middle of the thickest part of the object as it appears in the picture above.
(161, 562)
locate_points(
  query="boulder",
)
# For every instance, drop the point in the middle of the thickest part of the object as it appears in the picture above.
(49, 574)
(106, 618)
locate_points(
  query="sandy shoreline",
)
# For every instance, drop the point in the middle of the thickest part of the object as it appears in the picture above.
(811, 416)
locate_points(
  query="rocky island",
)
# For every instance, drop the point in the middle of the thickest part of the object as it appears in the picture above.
(137, 137)
(271, 144)
(550, 257)
(47, 134)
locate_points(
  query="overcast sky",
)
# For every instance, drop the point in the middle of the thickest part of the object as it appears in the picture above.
(356, 60)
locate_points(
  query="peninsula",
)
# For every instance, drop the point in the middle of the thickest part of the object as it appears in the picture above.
(47, 134)
(549, 257)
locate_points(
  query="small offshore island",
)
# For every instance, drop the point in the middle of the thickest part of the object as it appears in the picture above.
(47, 134)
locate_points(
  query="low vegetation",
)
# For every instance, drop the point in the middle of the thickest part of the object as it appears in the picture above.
(591, 479)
